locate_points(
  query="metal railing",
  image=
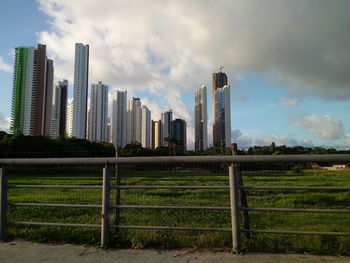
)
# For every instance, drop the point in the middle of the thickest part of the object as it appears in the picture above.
(106, 187)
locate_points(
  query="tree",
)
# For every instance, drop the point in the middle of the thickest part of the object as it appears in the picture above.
(173, 143)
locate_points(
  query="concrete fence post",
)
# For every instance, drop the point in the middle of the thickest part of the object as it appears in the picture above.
(3, 203)
(235, 214)
(105, 207)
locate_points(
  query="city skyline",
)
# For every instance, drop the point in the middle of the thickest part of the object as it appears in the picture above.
(280, 91)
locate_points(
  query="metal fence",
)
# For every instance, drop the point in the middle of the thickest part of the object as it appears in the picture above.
(238, 206)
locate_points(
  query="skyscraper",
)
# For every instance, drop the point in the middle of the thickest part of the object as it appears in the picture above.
(119, 119)
(178, 131)
(222, 125)
(200, 118)
(31, 101)
(98, 113)
(69, 120)
(146, 126)
(48, 93)
(167, 117)
(156, 134)
(59, 109)
(221, 110)
(80, 93)
(134, 121)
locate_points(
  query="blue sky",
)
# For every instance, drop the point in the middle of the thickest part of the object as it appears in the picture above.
(288, 67)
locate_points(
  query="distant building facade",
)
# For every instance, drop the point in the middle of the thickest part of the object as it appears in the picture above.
(221, 110)
(201, 119)
(178, 131)
(146, 126)
(80, 93)
(32, 91)
(69, 120)
(134, 121)
(119, 119)
(59, 109)
(156, 134)
(167, 117)
(98, 113)
(222, 116)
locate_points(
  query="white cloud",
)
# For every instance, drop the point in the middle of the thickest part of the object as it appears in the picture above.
(158, 45)
(4, 123)
(241, 140)
(5, 67)
(288, 101)
(321, 126)
(347, 140)
(244, 141)
(166, 49)
(282, 140)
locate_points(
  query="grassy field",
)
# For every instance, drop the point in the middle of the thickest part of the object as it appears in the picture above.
(195, 218)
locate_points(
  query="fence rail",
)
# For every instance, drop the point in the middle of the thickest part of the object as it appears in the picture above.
(178, 159)
(235, 186)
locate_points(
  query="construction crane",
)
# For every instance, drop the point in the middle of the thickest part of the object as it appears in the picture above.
(219, 69)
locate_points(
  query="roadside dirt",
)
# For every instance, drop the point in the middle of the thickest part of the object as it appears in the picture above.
(30, 252)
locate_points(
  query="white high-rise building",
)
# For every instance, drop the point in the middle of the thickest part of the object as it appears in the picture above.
(119, 119)
(134, 121)
(69, 123)
(201, 119)
(167, 117)
(223, 115)
(80, 94)
(146, 125)
(98, 113)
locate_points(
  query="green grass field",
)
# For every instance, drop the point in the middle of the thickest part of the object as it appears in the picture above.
(195, 218)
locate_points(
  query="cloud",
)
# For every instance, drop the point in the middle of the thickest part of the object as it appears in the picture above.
(241, 140)
(282, 140)
(244, 141)
(5, 67)
(4, 123)
(288, 101)
(347, 139)
(159, 45)
(321, 126)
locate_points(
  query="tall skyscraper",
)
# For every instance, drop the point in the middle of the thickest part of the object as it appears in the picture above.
(201, 119)
(220, 135)
(178, 131)
(156, 134)
(98, 113)
(69, 122)
(119, 119)
(80, 93)
(59, 109)
(109, 130)
(222, 125)
(167, 117)
(146, 126)
(48, 93)
(134, 121)
(32, 91)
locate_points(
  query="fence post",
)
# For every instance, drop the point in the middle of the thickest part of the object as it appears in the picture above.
(3, 203)
(242, 195)
(235, 214)
(105, 207)
(117, 194)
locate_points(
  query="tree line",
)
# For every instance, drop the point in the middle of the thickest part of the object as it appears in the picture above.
(21, 146)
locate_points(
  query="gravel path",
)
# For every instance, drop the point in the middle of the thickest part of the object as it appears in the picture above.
(29, 252)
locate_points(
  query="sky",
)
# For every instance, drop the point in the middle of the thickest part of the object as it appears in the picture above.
(287, 62)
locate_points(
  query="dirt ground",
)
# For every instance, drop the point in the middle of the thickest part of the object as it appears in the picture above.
(29, 252)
